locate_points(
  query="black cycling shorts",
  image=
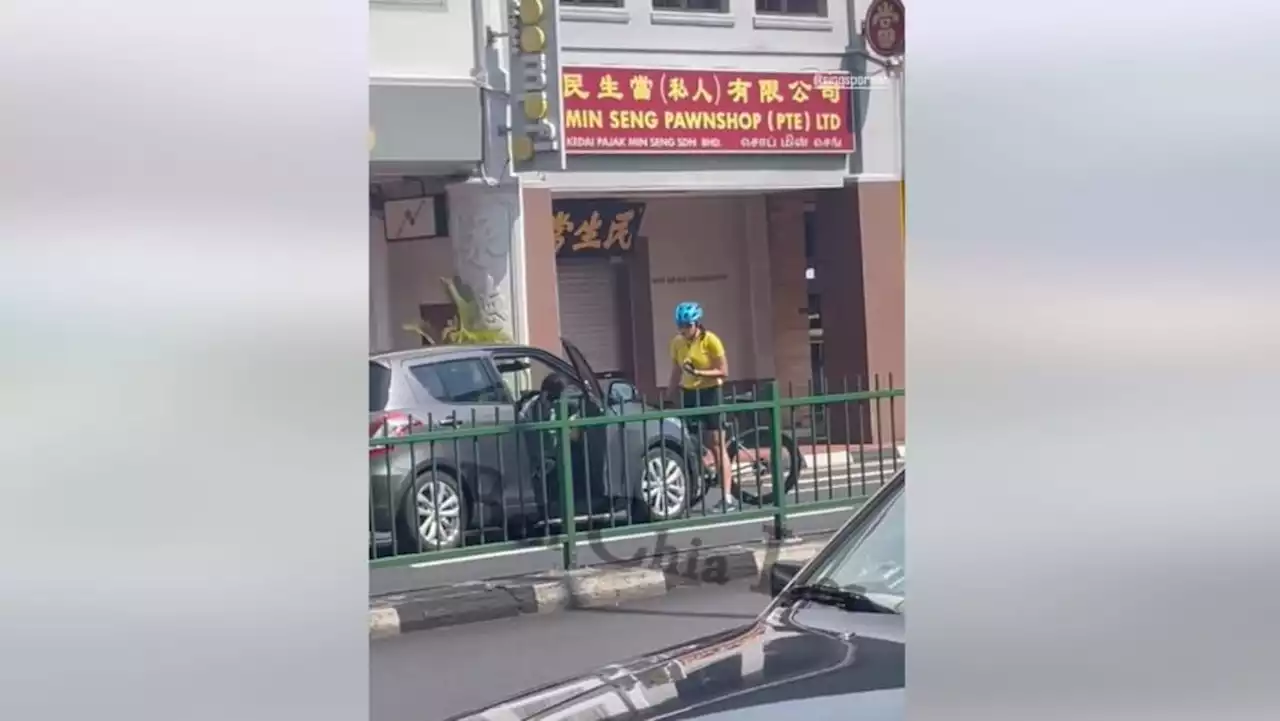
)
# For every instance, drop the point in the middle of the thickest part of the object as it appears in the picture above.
(703, 398)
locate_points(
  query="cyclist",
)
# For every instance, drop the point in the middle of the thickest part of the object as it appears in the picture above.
(698, 370)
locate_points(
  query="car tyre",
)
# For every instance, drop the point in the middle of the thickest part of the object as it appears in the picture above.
(433, 515)
(664, 485)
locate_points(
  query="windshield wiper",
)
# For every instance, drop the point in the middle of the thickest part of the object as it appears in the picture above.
(849, 599)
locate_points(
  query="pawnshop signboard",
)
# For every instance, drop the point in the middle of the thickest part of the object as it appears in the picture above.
(610, 110)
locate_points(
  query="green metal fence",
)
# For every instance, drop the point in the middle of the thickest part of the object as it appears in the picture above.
(507, 486)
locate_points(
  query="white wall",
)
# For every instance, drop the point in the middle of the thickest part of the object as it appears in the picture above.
(420, 39)
(880, 145)
(880, 141)
(410, 277)
(637, 34)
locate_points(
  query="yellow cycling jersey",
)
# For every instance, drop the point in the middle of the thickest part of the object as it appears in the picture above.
(700, 351)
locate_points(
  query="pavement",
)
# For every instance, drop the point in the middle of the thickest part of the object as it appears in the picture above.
(539, 594)
(436, 675)
(830, 476)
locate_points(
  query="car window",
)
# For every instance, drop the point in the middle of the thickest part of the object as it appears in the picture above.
(874, 557)
(460, 381)
(379, 386)
(521, 374)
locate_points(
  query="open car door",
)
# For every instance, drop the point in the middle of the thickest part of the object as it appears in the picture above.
(599, 443)
(584, 371)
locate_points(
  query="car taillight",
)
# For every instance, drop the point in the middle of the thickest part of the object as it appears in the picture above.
(390, 425)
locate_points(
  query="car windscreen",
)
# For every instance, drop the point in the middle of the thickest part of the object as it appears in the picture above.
(873, 558)
(379, 386)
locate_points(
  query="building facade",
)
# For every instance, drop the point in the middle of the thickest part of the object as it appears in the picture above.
(742, 153)
(435, 106)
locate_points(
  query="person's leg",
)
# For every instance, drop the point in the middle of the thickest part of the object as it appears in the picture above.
(691, 399)
(717, 443)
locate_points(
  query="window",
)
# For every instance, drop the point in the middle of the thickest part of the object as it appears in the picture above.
(460, 381)
(522, 374)
(807, 8)
(379, 387)
(593, 3)
(695, 6)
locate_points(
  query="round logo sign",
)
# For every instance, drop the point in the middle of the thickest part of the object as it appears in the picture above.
(884, 28)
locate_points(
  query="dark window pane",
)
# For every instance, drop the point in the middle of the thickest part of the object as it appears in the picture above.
(379, 386)
(807, 7)
(710, 6)
(816, 8)
(464, 381)
(426, 375)
(667, 4)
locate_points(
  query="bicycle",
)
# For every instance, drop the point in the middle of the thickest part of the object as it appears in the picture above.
(752, 449)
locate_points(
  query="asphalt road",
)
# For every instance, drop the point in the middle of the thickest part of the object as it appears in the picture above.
(432, 675)
(814, 485)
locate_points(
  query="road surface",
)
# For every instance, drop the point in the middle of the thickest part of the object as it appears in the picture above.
(432, 675)
(814, 485)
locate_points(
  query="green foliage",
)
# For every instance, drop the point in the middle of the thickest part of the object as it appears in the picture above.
(465, 328)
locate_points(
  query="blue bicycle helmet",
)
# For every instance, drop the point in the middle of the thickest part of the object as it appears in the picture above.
(688, 313)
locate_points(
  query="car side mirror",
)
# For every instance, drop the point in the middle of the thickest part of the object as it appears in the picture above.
(622, 392)
(780, 574)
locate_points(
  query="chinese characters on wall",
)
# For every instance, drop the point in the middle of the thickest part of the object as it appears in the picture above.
(622, 110)
(589, 226)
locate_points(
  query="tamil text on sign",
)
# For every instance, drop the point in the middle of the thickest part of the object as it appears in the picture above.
(654, 111)
(583, 226)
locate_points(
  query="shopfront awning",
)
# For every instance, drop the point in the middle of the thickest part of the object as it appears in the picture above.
(424, 124)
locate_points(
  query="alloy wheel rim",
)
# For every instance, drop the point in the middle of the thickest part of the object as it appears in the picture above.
(664, 486)
(439, 513)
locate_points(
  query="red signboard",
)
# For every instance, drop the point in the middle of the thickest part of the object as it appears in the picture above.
(657, 112)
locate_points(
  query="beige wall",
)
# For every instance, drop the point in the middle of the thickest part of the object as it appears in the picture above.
(718, 244)
(413, 272)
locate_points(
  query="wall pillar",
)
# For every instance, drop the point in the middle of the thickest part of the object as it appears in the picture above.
(789, 297)
(540, 270)
(861, 276)
(380, 336)
(754, 231)
(485, 228)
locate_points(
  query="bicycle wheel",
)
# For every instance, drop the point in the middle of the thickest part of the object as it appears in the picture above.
(753, 474)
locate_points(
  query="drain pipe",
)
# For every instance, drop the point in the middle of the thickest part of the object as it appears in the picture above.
(481, 38)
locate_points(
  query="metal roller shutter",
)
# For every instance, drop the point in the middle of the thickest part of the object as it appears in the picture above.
(588, 295)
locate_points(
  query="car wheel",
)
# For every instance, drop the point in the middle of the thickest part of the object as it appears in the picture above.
(434, 513)
(664, 485)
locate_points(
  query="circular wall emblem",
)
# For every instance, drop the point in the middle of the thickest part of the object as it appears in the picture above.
(884, 28)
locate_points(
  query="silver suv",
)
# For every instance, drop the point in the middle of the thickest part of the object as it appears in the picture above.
(426, 496)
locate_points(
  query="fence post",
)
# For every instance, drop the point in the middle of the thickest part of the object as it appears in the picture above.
(775, 452)
(568, 526)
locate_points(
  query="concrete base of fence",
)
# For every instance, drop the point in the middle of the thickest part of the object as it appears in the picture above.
(583, 588)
